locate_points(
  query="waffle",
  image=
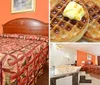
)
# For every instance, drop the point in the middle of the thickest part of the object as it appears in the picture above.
(97, 2)
(63, 29)
(93, 32)
(52, 3)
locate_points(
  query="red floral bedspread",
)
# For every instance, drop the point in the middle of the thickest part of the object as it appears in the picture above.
(92, 69)
(21, 58)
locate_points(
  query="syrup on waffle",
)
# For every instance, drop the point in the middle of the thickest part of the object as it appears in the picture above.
(63, 29)
(93, 32)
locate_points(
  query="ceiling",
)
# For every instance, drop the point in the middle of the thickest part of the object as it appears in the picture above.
(89, 48)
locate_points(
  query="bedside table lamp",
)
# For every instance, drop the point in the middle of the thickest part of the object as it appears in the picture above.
(82, 63)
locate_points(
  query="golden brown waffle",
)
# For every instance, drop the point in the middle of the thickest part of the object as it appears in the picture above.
(62, 29)
(97, 2)
(93, 32)
(52, 3)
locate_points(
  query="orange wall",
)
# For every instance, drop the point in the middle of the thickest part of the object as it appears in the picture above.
(41, 12)
(82, 56)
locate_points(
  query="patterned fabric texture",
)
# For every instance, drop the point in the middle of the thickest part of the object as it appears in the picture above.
(22, 58)
(92, 69)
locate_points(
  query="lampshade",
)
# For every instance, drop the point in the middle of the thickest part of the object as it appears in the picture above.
(83, 62)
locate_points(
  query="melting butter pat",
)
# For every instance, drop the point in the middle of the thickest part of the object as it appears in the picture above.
(73, 11)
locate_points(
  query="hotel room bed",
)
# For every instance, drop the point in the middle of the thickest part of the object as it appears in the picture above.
(23, 51)
(90, 68)
(93, 69)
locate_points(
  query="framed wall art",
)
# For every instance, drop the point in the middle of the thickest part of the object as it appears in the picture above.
(89, 57)
(22, 6)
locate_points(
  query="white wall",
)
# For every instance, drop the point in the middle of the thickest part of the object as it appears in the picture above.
(62, 56)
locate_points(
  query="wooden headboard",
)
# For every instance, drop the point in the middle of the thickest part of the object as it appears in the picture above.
(26, 26)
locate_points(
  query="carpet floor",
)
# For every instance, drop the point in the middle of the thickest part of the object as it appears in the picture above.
(44, 79)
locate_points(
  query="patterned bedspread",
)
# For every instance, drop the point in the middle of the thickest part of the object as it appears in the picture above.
(92, 69)
(22, 58)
